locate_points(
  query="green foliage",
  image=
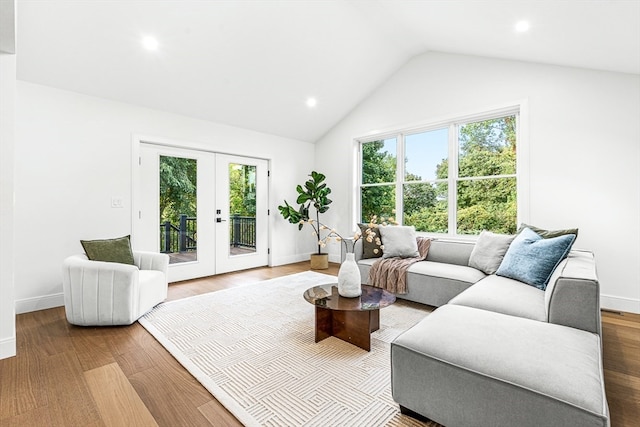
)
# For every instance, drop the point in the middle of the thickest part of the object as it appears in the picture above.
(314, 193)
(378, 167)
(178, 184)
(378, 200)
(418, 196)
(178, 187)
(242, 190)
(434, 218)
(487, 148)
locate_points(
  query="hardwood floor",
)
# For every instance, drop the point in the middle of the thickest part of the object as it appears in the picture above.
(65, 375)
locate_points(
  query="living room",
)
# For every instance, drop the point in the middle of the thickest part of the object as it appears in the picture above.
(67, 152)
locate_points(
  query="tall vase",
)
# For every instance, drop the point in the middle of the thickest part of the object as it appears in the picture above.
(349, 278)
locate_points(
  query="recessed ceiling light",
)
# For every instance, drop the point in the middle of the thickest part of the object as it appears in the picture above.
(312, 102)
(150, 43)
(522, 26)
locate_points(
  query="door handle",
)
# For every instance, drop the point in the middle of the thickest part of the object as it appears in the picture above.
(220, 220)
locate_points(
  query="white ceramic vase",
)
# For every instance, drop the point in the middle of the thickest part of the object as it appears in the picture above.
(349, 278)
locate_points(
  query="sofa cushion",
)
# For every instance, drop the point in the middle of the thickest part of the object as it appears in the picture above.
(532, 259)
(431, 283)
(528, 373)
(442, 270)
(435, 283)
(489, 251)
(459, 273)
(450, 252)
(506, 296)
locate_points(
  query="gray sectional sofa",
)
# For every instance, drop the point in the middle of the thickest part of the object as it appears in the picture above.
(498, 352)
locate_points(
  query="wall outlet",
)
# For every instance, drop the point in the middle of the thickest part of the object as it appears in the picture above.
(116, 202)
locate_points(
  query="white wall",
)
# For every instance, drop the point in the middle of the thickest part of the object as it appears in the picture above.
(584, 145)
(73, 153)
(7, 116)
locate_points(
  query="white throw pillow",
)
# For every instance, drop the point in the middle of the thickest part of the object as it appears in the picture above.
(399, 241)
(489, 251)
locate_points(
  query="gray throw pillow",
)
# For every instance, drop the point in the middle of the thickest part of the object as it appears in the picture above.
(489, 251)
(109, 250)
(399, 241)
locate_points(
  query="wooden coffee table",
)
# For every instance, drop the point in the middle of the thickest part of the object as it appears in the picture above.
(350, 319)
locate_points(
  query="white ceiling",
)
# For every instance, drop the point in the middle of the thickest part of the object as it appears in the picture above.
(253, 64)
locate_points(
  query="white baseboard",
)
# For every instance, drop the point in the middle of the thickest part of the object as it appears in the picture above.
(299, 258)
(629, 305)
(28, 305)
(7, 348)
(289, 259)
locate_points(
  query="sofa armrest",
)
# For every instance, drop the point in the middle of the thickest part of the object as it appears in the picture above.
(572, 297)
(151, 261)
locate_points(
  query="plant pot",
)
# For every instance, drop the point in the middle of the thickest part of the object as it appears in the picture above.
(319, 261)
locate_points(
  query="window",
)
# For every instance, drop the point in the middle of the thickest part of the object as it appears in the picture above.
(455, 178)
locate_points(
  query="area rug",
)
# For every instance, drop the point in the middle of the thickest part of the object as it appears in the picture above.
(253, 348)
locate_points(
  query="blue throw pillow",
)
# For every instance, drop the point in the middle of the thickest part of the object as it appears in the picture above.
(531, 259)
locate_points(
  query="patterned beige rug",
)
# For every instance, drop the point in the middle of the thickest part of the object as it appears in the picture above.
(253, 348)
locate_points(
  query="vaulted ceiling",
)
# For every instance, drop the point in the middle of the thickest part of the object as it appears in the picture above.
(254, 64)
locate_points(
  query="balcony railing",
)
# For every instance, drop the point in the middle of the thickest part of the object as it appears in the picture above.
(180, 238)
(242, 232)
(183, 236)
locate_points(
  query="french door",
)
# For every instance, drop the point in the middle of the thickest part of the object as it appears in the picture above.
(207, 211)
(241, 213)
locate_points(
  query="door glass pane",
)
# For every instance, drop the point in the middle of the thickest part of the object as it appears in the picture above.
(178, 207)
(242, 209)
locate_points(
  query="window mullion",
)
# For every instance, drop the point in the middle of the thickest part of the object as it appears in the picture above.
(358, 193)
(453, 179)
(400, 174)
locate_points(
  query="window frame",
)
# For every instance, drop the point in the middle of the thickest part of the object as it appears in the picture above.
(452, 124)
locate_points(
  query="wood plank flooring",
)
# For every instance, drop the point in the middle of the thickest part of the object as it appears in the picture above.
(65, 375)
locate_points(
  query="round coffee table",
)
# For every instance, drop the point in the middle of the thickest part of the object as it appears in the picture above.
(350, 319)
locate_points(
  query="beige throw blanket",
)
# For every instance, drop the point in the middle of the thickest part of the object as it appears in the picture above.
(390, 274)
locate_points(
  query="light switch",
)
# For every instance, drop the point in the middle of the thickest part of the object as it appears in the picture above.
(116, 202)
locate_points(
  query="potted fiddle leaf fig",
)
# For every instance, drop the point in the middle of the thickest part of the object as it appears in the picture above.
(314, 193)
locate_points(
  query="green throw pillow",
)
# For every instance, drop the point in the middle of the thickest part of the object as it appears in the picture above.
(109, 250)
(548, 234)
(371, 243)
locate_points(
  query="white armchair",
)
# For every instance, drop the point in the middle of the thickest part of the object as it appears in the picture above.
(100, 293)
